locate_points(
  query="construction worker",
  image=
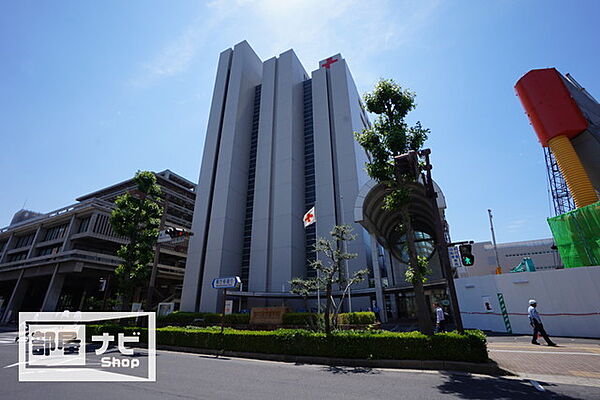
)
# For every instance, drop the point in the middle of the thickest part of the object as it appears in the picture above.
(536, 323)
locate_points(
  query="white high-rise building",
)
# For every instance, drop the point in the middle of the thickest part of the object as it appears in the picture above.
(279, 141)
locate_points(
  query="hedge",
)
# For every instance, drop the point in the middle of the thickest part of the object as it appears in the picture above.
(180, 318)
(449, 346)
(357, 318)
(302, 319)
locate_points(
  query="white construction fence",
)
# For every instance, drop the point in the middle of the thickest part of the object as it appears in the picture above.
(568, 301)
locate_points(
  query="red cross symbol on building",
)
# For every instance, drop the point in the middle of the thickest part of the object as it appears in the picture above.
(328, 62)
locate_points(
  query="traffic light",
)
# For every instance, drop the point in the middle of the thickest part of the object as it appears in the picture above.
(177, 232)
(466, 256)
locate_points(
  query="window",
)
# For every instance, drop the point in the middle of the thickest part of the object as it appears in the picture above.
(49, 250)
(17, 256)
(55, 232)
(24, 241)
(84, 223)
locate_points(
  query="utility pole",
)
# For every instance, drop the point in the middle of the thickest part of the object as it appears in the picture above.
(442, 244)
(152, 282)
(498, 267)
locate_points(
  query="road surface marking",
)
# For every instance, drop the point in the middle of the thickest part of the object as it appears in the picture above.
(537, 385)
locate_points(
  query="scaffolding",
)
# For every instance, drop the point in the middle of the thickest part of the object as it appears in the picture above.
(561, 197)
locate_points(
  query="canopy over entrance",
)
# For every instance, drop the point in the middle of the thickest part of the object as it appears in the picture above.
(385, 225)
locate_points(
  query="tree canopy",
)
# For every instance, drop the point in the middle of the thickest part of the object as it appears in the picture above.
(136, 217)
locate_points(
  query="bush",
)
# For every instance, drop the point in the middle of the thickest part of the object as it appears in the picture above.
(308, 320)
(357, 318)
(180, 318)
(449, 346)
(302, 319)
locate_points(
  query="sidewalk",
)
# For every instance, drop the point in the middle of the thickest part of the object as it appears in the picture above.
(571, 358)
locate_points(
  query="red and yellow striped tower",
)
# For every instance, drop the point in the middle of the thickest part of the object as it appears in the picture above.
(556, 118)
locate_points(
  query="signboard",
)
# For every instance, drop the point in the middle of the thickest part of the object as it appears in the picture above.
(268, 315)
(230, 282)
(165, 309)
(454, 256)
(228, 306)
(164, 238)
(487, 304)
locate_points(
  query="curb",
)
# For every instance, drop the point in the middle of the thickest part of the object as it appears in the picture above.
(489, 368)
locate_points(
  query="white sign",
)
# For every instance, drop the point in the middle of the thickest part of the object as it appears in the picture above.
(454, 257)
(52, 343)
(228, 306)
(163, 237)
(165, 309)
(226, 283)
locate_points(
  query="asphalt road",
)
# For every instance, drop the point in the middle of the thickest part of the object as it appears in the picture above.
(193, 376)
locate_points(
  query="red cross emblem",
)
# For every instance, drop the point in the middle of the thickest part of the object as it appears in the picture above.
(308, 217)
(329, 61)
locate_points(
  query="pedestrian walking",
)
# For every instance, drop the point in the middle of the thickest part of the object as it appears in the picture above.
(536, 323)
(440, 318)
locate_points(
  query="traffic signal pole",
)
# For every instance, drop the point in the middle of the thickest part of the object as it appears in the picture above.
(441, 243)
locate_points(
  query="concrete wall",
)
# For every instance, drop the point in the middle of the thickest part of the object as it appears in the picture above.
(568, 301)
(287, 209)
(339, 160)
(216, 248)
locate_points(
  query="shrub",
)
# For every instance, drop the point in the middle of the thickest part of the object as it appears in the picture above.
(180, 318)
(302, 319)
(357, 318)
(449, 346)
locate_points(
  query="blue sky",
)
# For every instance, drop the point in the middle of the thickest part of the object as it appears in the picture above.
(92, 91)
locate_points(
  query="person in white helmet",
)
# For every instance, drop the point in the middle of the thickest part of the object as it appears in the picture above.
(536, 324)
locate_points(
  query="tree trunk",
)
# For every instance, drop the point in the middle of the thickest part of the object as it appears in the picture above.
(423, 317)
(327, 309)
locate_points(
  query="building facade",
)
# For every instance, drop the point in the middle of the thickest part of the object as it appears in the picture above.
(65, 259)
(542, 252)
(279, 141)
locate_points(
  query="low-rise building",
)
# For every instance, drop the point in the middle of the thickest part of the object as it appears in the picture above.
(542, 252)
(65, 259)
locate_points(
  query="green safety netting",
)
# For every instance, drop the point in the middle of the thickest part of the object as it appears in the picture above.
(577, 236)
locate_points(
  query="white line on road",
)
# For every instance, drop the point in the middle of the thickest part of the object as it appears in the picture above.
(544, 352)
(537, 385)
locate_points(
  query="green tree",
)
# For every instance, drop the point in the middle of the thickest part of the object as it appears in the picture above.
(389, 137)
(330, 273)
(137, 218)
(304, 287)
